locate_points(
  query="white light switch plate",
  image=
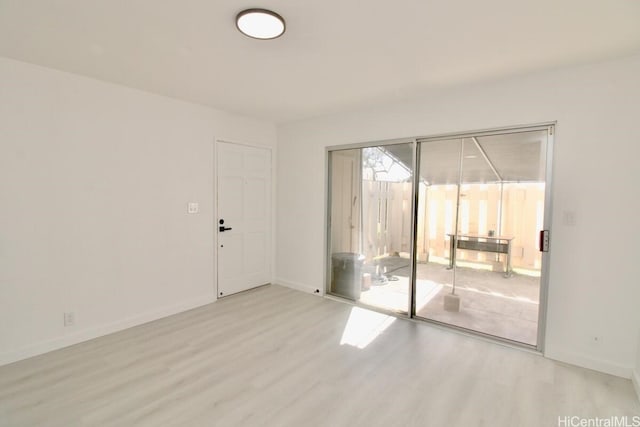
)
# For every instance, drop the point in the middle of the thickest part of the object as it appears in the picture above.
(193, 207)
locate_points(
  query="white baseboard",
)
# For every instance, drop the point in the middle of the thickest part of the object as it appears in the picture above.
(101, 330)
(299, 286)
(635, 379)
(583, 361)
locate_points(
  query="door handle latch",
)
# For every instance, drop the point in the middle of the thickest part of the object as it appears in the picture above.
(223, 228)
(543, 244)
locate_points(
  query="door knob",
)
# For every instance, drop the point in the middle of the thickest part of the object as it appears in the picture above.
(223, 228)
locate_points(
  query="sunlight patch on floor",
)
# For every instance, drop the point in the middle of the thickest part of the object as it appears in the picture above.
(364, 326)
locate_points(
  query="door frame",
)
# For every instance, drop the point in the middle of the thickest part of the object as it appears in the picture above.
(214, 218)
(327, 221)
(547, 223)
(548, 210)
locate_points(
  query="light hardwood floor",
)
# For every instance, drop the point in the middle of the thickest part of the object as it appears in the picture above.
(273, 357)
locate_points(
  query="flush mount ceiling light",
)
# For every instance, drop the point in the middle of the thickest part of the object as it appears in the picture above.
(260, 24)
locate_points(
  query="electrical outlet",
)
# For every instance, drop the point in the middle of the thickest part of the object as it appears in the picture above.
(69, 318)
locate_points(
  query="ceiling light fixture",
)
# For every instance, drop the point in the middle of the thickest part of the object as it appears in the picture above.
(260, 24)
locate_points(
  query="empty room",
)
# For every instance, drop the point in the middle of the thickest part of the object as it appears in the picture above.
(279, 213)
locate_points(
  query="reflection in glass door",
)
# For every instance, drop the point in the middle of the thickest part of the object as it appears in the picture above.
(370, 225)
(480, 211)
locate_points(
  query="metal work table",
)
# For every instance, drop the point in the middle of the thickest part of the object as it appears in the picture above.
(494, 244)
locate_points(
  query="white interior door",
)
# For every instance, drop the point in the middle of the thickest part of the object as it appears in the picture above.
(244, 217)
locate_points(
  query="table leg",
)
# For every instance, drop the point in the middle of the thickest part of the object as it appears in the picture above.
(507, 267)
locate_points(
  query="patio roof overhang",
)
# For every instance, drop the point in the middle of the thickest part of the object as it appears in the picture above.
(514, 157)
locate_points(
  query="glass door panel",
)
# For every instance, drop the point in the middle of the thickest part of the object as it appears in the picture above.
(493, 260)
(344, 237)
(436, 223)
(370, 225)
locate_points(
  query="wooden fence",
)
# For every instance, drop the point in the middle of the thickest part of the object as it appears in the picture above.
(386, 219)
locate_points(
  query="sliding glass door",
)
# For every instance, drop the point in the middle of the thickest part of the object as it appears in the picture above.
(370, 225)
(456, 242)
(480, 214)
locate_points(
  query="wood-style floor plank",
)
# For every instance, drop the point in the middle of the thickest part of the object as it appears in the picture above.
(274, 357)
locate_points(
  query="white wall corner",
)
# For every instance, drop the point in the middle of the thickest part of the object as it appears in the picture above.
(635, 379)
(101, 330)
(600, 365)
(299, 286)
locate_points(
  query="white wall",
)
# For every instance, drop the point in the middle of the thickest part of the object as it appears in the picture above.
(593, 269)
(94, 184)
(636, 371)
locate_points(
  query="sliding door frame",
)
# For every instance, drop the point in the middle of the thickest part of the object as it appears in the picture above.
(545, 256)
(415, 141)
(328, 206)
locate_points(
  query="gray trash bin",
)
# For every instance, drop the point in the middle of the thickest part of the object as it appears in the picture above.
(346, 274)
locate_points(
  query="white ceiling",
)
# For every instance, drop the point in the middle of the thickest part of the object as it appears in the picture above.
(336, 55)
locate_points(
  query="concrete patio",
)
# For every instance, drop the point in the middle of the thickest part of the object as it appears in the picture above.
(490, 303)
